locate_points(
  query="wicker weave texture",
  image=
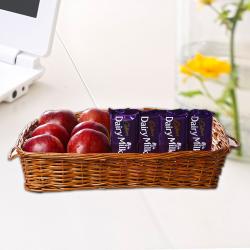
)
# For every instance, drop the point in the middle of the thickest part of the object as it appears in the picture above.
(63, 172)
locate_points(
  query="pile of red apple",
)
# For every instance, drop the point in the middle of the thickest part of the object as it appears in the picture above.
(61, 132)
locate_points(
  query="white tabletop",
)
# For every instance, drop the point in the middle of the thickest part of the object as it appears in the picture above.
(114, 219)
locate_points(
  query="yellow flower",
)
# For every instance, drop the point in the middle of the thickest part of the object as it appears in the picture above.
(207, 2)
(205, 67)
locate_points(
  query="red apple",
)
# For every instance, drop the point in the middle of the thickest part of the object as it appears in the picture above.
(92, 125)
(64, 118)
(96, 115)
(53, 129)
(43, 144)
(88, 141)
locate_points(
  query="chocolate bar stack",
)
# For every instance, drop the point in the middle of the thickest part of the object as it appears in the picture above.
(160, 131)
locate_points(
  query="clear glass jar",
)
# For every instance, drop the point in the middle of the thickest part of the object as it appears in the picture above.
(200, 32)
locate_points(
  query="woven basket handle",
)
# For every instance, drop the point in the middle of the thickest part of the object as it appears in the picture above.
(233, 143)
(13, 154)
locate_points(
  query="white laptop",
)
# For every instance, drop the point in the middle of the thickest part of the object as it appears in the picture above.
(26, 33)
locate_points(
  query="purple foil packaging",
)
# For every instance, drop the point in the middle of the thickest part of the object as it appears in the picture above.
(200, 130)
(174, 131)
(124, 130)
(149, 131)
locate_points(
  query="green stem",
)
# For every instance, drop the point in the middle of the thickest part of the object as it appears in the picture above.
(234, 77)
(207, 93)
(214, 9)
(224, 20)
(209, 96)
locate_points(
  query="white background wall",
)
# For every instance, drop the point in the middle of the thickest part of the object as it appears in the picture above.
(122, 48)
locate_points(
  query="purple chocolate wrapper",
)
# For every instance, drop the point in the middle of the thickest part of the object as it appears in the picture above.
(174, 130)
(200, 130)
(149, 131)
(124, 130)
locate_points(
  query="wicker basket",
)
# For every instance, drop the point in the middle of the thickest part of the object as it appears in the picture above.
(64, 172)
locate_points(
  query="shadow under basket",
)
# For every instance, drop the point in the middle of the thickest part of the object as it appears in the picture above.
(64, 172)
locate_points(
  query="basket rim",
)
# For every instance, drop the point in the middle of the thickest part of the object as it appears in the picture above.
(120, 156)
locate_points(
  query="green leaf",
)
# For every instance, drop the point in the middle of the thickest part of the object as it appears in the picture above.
(247, 6)
(223, 97)
(218, 115)
(225, 19)
(224, 15)
(191, 93)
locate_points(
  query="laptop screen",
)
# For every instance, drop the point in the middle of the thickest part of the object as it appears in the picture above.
(23, 7)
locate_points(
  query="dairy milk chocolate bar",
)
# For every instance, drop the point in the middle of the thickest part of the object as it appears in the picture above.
(200, 130)
(149, 131)
(174, 128)
(124, 130)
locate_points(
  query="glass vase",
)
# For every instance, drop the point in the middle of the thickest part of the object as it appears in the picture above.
(200, 32)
